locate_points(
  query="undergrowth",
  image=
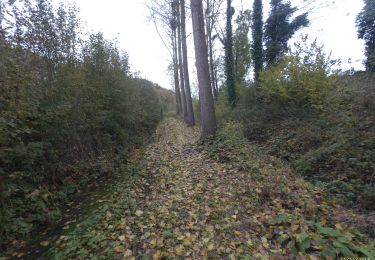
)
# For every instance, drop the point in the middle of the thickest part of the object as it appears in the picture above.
(319, 121)
(96, 235)
(305, 233)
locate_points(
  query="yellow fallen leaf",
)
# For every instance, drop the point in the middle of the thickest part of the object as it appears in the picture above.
(187, 241)
(121, 238)
(179, 249)
(237, 233)
(44, 243)
(35, 193)
(265, 242)
(190, 225)
(157, 255)
(233, 244)
(210, 246)
(153, 242)
(128, 253)
(339, 226)
(139, 213)
(119, 249)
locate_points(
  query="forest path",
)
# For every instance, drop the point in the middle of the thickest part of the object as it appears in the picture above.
(191, 206)
(177, 198)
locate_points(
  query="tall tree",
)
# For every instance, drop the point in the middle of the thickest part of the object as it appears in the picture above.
(366, 31)
(163, 15)
(279, 29)
(43, 35)
(229, 60)
(242, 55)
(208, 118)
(2, 31)
(177, 15)
(212, 13)
(190, 120)
(175, 71)
(257, 33)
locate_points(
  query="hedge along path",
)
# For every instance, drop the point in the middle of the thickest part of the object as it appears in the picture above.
(193, 207)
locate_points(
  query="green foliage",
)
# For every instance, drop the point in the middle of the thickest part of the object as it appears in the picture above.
(62, 112)
(241, 46)
(366, 31)
(228, 139)
(279, 29)
(229, 58)
(93, 237)
(300, 79)
(321, 240)
(300, 232)
(222, 109)
(318, 121)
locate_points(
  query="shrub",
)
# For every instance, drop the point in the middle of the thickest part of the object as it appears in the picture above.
(319, 121)
(299, 80)
(67, 114)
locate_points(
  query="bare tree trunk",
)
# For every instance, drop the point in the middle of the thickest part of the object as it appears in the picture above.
(208, 118)
(216, 82)
(209, 26)
(175, 70)
(180, 62)
(212, 67)
(2, 33)
(229, 60)
(190, 120)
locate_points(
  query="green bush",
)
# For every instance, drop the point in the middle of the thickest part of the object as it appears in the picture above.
(318, 121)
(66, 116)
(300, 79)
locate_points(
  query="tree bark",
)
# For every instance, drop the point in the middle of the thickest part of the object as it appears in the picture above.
(208, 118)
(209, 25)
(190, 120)
(175, 72)
(180, 62)
(229, 60)
(257, 46)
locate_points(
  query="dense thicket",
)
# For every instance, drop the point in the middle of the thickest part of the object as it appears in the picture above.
(318, 120)
(68, 104)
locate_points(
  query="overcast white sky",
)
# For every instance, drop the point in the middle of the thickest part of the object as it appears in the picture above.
(127, 21)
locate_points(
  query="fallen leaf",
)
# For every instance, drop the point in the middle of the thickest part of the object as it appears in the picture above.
(44, 243)
(119, 249)
(139, 213)
(128, 253)
(210, 246)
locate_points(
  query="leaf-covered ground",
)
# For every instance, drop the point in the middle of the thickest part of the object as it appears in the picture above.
(195, 201)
